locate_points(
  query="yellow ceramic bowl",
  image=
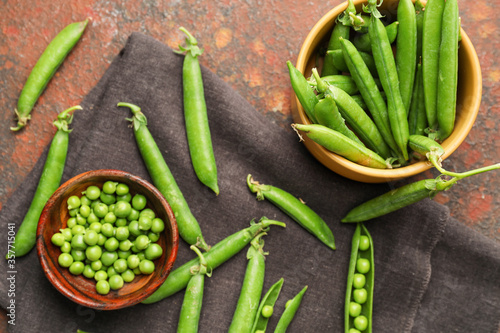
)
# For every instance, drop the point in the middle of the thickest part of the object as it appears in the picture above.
(468, 101)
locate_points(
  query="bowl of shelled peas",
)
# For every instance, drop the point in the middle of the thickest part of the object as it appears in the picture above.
(107, 239)
(372, 78)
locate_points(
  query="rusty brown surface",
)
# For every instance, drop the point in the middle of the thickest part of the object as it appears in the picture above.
(247, 44)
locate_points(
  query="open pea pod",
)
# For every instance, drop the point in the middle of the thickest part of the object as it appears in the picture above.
(360, 282)
(266, 307)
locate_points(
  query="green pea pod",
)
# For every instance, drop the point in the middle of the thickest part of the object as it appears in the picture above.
(303, 91)
(48, 183)
(406, 50)
(419, 13)
(360, 282)
(431, 39)
(359, 121)
(295, 208)
(216, 256)
(448, 70)
(370, 92)
(191, 305)
(291, 309)
(344, 82)
(386, 67)
(251, 290)
(425, 146)
(342, 145)
(339, 61)
(339, 30)
(267, 302)
(196, 118)
(417, 119)
(45, 68)
(396, 199)
(328, 115)
(162, 177)
(363, 41)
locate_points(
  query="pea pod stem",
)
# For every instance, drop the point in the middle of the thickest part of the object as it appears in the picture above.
(193, 297)
(45, 68)
(48, 183)
(195, 115)
(162, 177)
(295, 208)
(216, 256)
(251, 289)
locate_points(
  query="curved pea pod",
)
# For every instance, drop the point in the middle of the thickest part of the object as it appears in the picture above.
(291, 308)
(342, 145)
(363, 41)
(417, 119)
(431, 39)
(246, 308)
(359, 121)
(406, 50)
(360, 282)
(328, 115)
(216, 256)
(45, 68)
(397, 199)
(295, 208)
(339, 61)
(448, 70)
(386, 67)
(369, 90)
(267, 302)
(344, 82)
(304, 92)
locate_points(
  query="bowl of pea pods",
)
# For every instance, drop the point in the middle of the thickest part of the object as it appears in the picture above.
(107, 239)
(370, 75)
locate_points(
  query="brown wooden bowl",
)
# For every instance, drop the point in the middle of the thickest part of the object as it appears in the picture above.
(81, 289)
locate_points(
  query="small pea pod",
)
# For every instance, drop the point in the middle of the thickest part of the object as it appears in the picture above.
(359, 121)
(45, 68)
(339, 61)
(196, 117)
(328, 115)
(339, 30)
(406, 50)
(431, 39)
(251, 289)
(386, 67)
(49, 182)
(448, 70)
(360, 282)
(216, 256)
(363, 41)
(342, 145)
(369, 90)
(417, 119)
(427, 147)
(295, 208)
(266, 307)
(291, 308)
(193, 298)
(162, 177)
(408, 194)
(305, 94)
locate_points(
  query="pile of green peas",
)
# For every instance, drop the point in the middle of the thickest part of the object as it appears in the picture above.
(111, 236)
(359, 292)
